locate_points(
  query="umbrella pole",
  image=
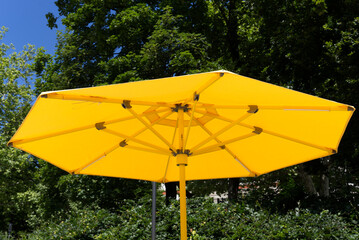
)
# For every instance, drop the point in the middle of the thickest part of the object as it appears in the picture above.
(181, 161)
(153, 210)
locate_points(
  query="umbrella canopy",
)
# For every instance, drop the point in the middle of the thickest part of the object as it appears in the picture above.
(211, 125)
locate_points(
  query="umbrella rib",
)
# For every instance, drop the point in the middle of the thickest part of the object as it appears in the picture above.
(77, 129)
(226, 128)
(251, 173)
(205, 86)
(152, 123)
(121, 144)
(99, 99)
(151, 128)
(222, 145)
(210, 82)
(168, 159)
(226, 148)
(125, 142)
(145, 149)
(83, 167)
(189, 125)
(327, 149)
(53, 134)
(126, 137)
(285, 108)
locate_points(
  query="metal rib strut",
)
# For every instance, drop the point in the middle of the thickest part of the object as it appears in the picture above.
(226, 128)
(227, 149)
(327, 149)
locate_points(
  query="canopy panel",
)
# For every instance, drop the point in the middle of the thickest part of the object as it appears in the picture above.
(234, 126)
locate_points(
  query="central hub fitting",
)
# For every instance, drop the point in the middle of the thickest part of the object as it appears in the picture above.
(185, 107)
(182, 159)
(180, 151)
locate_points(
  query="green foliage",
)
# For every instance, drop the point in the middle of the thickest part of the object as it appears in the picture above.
(104, 192)
(108, 43)
(58, 193)
(34, 191)
(172, 52)
(205, 187)
(16, 168)
(206, 220)
(278, 192)
(51, 19)
(16, 94)
(82, 224)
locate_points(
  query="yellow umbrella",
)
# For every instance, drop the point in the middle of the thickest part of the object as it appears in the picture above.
(201, 126)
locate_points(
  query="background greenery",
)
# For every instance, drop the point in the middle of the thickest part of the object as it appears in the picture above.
(206, 220)
(309, 45)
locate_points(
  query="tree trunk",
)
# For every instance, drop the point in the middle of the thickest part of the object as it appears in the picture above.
(307, 181)
(233, 184)
(324, 178)
(232, 36)
(324, 186)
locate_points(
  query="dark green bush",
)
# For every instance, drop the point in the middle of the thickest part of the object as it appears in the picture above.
(206, 220)
(84, 224)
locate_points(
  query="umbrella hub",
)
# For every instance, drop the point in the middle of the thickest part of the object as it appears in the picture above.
(179, 106)
(204, 117)
(182, 159)
(178, 152)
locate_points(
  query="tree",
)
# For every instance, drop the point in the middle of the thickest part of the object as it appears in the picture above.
(16, 168)
(310, 46)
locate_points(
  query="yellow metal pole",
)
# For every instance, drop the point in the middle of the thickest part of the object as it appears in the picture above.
(182, 163)
(180, 129)
(181, 160)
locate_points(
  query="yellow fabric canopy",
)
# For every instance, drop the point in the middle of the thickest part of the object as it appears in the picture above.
(238, 127)
(212, 125)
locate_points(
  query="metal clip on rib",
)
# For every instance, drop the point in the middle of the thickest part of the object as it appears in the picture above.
(126, 104)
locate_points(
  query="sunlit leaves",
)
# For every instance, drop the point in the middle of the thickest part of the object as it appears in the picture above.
(16, 96)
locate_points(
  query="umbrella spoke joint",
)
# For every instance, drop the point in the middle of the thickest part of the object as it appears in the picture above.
(195, 96)
(126, 104)
(257, 130)
(181, 151)
(252, 109)
(178, 106)
(123, 143)
(100, 125)
(351, 108)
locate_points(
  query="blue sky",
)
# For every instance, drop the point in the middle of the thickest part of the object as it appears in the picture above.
(26, 22)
